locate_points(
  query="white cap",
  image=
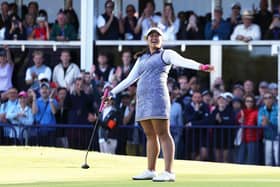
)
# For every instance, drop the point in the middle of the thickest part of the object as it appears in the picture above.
(154, 29)
(42, 76)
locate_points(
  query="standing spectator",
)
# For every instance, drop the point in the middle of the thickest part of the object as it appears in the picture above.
(235, 17)
(71, 16)
(248, 30)
(33, 9)
(62, 31)
(44, 109)
(249, 148)
(267, 117)
(218, 29)
(109, 26)
(127, 64)
(65, 72)
(263, 88)
(29, 25)
(147, 20)
(223, 137)
(169, 24)
(33, 72)
(41, 31)
(273, 88)
(103, 71)
(15, 29)
(107, 131)
(273, 33)
(184, 86)
(193, 29)
(6, 69)
(238, 91)
(4, 13)
(248, 87)
(130, 22)
(263, 17)
(197, 113)
(21, 114)
(5, 108)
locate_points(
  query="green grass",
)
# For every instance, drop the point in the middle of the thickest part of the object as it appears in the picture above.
(47, 167)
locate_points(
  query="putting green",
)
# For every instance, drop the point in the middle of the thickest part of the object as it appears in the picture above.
(40, 166)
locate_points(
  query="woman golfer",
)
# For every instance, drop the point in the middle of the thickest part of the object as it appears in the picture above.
(153, 103)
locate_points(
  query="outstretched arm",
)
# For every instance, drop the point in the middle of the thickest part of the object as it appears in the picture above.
(130, 79)
(172, 57)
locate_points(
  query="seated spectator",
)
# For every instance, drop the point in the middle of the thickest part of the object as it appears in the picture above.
(248, 30)
(147, 20)
(169, 24)
(109, 27)
(33, 72)
(44, 109)
(197, 113)
(218, 29)
(130, 22)
(21, 114)
(62, 31)
(235, 17)
(6, 69)
(41, 31)
(14, 29)
(273, 33)
(65, 72)
(263, 17)
(267, 117)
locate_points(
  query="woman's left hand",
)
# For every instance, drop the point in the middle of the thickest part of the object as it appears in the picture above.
(206, 68)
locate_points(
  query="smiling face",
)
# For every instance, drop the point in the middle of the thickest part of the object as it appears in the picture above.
(154, 41)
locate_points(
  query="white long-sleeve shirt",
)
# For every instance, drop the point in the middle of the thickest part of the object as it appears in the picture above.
(65, 79)
(252, 31)
(169, 57)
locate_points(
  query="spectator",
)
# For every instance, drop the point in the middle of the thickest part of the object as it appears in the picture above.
(71, 16)
(130, 22)
(65, 72)
(5, 108)
(169, 24)
(6, 69)
(42, 31)
(218, 87)
(14, 29)
(263, 88)
(238, 91)
(197, 113)
(248, 87)
(44, 109)
(267, 117)
(147, 20)
(249, 148)
(107, 131)
(193, 30)
(248, 30)
(184, 86)
(207, 98)
(235, 17)
(103, 71)
(62, 31)
(33, 72)
(109, 27)
(273, 88)
(263, 17)
(223, 138)
(87, 84)
(4, 13)
(176, 121)
(21, 114)
(218, 29)
(273, 33)
(61, 117)
(33, 9)
(29, 25)
(127, 64)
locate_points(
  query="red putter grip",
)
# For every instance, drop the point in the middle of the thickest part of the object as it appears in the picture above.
(105, 95)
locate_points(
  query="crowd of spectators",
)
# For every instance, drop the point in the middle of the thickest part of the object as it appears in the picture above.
(65, 94)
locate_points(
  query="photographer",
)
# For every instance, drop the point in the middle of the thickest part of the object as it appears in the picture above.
(15, 29)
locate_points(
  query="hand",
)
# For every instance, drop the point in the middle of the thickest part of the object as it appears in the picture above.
(92, 117)
(218, 117)
(34, 75)
(239, 37)
(206, 68)
(241, 119)
(265, 121)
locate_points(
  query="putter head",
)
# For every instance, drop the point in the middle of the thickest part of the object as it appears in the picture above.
(85, 166)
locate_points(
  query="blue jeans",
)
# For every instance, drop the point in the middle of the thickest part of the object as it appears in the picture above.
(248, 153)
